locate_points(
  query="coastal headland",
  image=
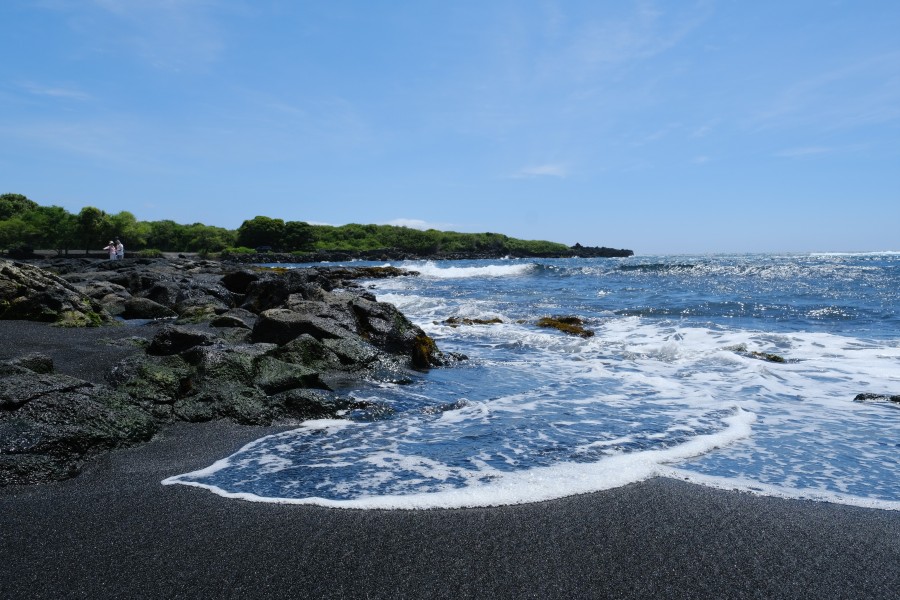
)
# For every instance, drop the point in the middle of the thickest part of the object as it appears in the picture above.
(85, 515)
(396, 254)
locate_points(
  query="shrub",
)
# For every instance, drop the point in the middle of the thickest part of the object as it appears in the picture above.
(238, 250)
(148, 253)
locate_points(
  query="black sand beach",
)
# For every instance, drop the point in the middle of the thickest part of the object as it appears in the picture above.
(116, 532)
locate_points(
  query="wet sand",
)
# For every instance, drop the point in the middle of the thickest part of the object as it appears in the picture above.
(116, 532)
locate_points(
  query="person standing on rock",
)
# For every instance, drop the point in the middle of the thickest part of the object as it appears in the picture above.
(120, 250)
(111, 248)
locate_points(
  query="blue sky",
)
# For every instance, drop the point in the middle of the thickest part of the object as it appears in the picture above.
(664, 127)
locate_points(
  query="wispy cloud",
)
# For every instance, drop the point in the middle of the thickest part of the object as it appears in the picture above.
(646, 32)
(657, 135)
(861, 93)
(108, 141)
(545, 170)
(705, 129)
(418, 224)
(804, 151)
(167, 34)
(65, 93)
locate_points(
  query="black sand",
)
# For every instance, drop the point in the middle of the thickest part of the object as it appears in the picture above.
(84, 352)
(116, 532)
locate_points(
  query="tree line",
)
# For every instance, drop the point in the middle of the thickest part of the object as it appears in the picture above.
(26, 224)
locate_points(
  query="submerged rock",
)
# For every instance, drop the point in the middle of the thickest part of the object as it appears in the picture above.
(766, 356)
(869, 397)
(570, 325)
(457, 321)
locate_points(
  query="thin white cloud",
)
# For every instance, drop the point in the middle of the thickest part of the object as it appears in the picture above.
(860, 93)
(65, 93)
(657, 135)
(418, 224)
(108, 140)
(705, 129)
(545, 170)
(646, 32)
(805, 151)
(168, 34)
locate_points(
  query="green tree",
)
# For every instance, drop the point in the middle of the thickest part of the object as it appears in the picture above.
(166, 235)
(260, 231)
(13, 232)
(298, 235)
(125, 226)
(206, 238)
(55, 228)
(93, 228)
(15, 204)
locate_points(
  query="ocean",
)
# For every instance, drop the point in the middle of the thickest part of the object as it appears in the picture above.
(734, 371)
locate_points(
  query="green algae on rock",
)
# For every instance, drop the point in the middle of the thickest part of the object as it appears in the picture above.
(566, 324)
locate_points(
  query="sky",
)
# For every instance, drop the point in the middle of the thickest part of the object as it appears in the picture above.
(663, 127)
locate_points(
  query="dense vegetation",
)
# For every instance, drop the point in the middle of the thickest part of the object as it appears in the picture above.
(25, 224)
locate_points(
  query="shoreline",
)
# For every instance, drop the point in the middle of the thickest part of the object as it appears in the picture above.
(115, 531)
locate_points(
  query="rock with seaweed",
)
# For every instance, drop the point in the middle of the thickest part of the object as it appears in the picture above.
(758, 354)
(51, 423)
(32, 294)
(567, 324)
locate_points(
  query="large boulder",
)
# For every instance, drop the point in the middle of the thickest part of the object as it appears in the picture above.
(273, 289)
(239, 282)
(51, 423)
(144, 308)
(281, 325)
(217, 381)
(32, 294)
(173, 339)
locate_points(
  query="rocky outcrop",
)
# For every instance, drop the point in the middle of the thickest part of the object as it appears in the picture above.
(32, 294)
(51, 423)
(253, 346)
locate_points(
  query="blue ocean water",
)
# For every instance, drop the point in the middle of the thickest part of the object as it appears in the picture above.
(674, 383)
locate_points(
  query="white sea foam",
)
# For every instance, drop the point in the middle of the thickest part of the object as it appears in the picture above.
(431, 269)
(803, 410)
(516, 487)
(873, 253)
